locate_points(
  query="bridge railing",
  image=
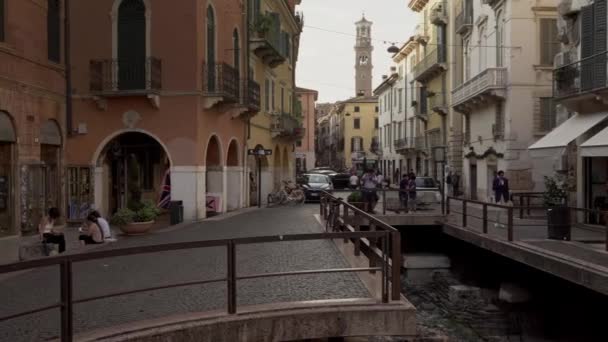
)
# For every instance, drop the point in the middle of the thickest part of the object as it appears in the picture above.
(66, 262)
(341, 216)
(389, 199)
(509, 222)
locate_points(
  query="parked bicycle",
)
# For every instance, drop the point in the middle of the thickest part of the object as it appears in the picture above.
(289, 193)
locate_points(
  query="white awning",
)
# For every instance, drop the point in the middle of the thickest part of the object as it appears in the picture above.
(555, 142)
(597, 146)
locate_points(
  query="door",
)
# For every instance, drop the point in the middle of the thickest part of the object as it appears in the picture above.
(473, 181)
(492, 172)
(132, 45)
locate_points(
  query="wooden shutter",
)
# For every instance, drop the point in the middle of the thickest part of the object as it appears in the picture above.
(586, 47)
(352, 144)
(2, 20)
(599, 43)
(548, 41)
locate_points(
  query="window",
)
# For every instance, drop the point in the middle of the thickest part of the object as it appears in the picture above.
(211, 49)
(267, 94)
(272, 94)
(482, 49)
(299, 143)
(356, 144)
(357, 123)
(236, 58)
(467, 59)
(400, 100)
(376, 123)
(357, 109)
(499, 126)
(2, 20)
(550, 44)
(376, 109)
(593, 42)
(500, 39)
(547, 114)
(394, 97)
(254, 10)
(54, 31)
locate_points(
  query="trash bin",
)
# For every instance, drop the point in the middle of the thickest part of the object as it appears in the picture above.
(176, 210)
(558, 219)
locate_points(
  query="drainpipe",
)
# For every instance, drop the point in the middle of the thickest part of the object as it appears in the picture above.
(68, 70)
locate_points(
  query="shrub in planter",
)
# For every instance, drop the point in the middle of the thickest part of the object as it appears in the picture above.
(558, 215)
(356, 199)
(262, 24)
(136, 221)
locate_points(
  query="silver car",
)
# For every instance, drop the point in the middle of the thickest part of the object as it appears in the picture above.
(427, 190)
(314, 183)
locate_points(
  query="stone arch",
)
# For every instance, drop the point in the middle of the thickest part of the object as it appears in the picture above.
(214, 176)
(234, 176)
(100, 148)
(8, 133)
(233, 155)
(213, 151)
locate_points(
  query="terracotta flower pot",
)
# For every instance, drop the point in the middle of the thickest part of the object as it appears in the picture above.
(137, 228)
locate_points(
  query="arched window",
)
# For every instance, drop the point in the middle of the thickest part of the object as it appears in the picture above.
(132, 45)
(483, 46)
(500, 31)
(467, 60)
(210, 49)
(236, 51)
(53, 22)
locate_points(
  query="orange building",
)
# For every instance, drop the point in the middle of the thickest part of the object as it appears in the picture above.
(160, 86)
(305, 151)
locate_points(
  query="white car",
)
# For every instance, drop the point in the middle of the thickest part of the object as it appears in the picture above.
(427, 191)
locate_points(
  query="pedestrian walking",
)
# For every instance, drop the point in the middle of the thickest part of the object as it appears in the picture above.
(403, 192)
(369, 183)
(50, 232)
(500, 185)
(380, 179)
(411, 190)
(91, 233)
(353, 181)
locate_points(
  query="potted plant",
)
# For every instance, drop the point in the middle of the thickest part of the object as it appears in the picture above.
(558, 214)
(137, 218)
(356, 199)
(262, 24)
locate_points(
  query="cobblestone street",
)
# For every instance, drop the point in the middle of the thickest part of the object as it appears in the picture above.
(41, 287)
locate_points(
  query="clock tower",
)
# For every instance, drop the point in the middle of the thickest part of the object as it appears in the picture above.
(363, 55)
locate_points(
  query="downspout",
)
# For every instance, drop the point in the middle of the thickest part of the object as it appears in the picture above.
(247, 133)
(68, 70)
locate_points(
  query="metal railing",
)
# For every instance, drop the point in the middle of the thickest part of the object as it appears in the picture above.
(428, 200)
(125, 75)
(401, 144)
(502, 221)
(464, 20)
(221, 79)
(585, 75)
(490, 78)
(286, 125)
(66, 262)
(431, 60)
(253, 99)
(529, 201)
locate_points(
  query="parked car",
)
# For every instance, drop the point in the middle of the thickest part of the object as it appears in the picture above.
(314, 183)
(427, 190)
(339, 179)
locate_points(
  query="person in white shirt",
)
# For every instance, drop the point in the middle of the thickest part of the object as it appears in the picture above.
(369, 183)
(354, 181)
(103, 225)
(380, 180)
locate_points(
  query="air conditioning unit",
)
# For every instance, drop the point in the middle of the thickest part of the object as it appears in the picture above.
(561, 59)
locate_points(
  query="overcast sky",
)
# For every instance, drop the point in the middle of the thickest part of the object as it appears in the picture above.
(326, 61)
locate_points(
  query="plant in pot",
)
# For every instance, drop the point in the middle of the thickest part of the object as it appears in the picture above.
(137, 218)
(262, 24)
(356, 199)
(558, 214)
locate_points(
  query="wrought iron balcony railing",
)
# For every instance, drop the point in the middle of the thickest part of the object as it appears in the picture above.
(252, 98)
(221, 80)
(287, 126)
(431, 64)
(583, 76)
(125, 76)
(267, 43)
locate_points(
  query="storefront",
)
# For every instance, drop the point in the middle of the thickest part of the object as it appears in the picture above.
(7, 176)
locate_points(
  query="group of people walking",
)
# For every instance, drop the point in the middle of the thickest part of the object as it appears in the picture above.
(372, 180)
(95, 230)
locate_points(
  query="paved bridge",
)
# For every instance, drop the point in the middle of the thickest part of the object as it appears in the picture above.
(264, 275)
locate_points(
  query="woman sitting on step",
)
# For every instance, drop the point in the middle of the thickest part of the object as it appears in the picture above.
(92, 233)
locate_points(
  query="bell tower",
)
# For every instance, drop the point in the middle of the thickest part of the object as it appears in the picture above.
(363, 58)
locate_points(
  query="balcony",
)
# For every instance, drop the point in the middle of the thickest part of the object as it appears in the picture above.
(417, 5)
(220, 84)
(252, 97)
(583, 86)
(419, 144)
(438, 103)
(432, 65)
(265, 40)
(464, 22)
(401, 145)
(125, 77)
(286, 126)
(439, 13)
(489, 85)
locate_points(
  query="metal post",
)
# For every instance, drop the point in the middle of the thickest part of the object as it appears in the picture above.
(510, 223)
(231, 276)
(259, 181)
(485, 218)
(521, 207)
(383, 201)
(528, 200)
(464, 213)
(385, 268)
(357, 225)
(67, 331)
(396, 263)
(606, 219)
(447, 206)
(442, 191)
(372, 243)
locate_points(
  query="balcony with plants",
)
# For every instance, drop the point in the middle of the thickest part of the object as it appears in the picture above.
(576, 83)
(286, 126)
(488, 86)
(266, 39)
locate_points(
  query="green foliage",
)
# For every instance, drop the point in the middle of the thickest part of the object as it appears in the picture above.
(262, 24)
(136, 212)
(555, 191)
(355, 197)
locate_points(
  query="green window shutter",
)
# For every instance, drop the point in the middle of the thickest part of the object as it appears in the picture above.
(54, 31)
(599, 43)
(2, 20)
(548, 40)
(587, 49)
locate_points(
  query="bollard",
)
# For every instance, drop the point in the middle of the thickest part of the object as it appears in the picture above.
(485, 218)
(510, 223)
(464, 213)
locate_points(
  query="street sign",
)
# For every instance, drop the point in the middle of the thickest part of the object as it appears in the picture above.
(259, 152)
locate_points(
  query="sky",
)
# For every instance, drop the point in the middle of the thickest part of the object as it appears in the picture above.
(326, 60)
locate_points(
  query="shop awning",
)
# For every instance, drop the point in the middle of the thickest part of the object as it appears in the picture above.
(555, 142)
(597, 146)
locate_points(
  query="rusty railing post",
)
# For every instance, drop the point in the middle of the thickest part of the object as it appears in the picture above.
(383, 201)
(321, 207)
(485, 218)
(67, 328)
(447, 206)
(372, 243)
(521, 207)
(510, 223)
(385, 262)
(464, 213)
(396, 263)
(528, 207)
(231, 276)
(357, 226)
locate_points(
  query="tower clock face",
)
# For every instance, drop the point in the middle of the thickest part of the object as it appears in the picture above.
(363, 60)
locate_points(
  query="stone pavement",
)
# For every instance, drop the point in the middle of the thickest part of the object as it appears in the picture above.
(41, 287)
